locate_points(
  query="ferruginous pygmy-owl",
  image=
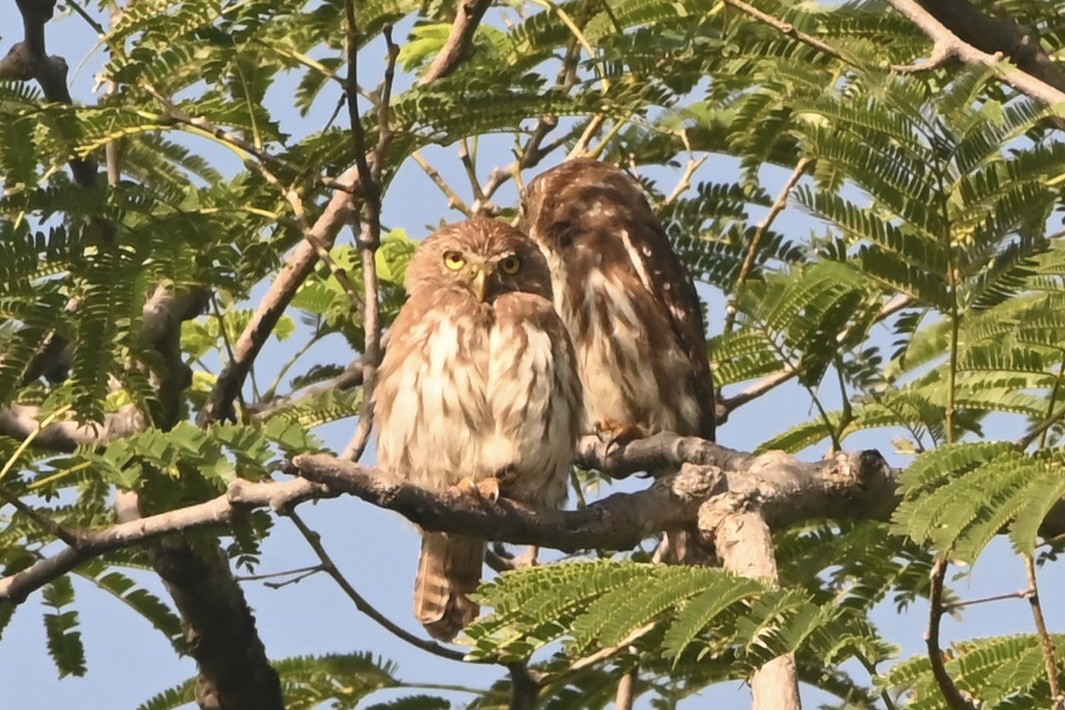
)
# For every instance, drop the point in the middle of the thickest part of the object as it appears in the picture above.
(479, 382)
(627, 300)
(630, 307)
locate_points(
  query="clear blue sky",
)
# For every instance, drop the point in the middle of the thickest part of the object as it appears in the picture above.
(129, 662)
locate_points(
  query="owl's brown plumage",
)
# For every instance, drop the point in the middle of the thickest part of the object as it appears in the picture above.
(627, 300)
(479, 380)
(630, 307)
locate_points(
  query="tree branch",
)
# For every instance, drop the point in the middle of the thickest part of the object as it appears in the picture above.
(459, 42)
(29, 60)
(221, 511)
(745, 545)
(858, 485)
(759, 233)
(726, 405)
(349, 379)
(955, 700)
(340, 210)
(957, 29)
(297, 268)
(992, 35)
(162, 315)
(1046, 641)
(327, 565)
(218, 625)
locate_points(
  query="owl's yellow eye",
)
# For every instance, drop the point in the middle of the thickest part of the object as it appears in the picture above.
(454, 260)
(510, 265)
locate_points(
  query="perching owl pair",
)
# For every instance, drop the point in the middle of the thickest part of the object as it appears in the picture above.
(508, 349)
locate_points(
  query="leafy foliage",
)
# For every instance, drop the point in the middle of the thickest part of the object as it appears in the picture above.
(1005, 671)
(673, 613)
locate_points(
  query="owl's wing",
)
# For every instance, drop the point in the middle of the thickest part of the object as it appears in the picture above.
(669, 283)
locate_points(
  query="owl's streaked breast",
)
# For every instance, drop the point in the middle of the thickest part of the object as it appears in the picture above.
(612, 332)
(479, 397)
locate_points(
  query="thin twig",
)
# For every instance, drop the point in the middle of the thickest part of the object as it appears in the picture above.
(580, 148)
(467, 160)
(1044, 426)
(454, 201)
(294, 200)
(1057, 699)
(690, 169)
(759, 233)
(351, 90)
(605, 653)
(298, 575)
(42, 521)
(951, 694)
(726, 405)
(788, 29)
(350, 378)
(1022, 594)
(329, 567)
(369, 240)
(204, 125)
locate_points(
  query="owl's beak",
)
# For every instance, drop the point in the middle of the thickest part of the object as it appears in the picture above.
(479, 285)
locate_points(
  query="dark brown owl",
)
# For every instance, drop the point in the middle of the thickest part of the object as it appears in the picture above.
(478, 384)
(628, 302)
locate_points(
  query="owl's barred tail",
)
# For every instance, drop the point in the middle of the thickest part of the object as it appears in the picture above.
(449, 568)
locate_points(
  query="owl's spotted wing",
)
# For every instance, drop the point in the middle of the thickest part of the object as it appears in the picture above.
(595, 219)
(669, 283)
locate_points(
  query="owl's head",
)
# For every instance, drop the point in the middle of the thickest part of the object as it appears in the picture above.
(581, 203)
(482, 257)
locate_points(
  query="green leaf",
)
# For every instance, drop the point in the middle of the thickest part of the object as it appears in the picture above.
(64, 640)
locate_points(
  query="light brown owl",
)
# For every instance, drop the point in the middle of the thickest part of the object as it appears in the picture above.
(628, 302)
(479, 381)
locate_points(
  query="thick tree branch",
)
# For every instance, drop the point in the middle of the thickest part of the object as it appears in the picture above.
(999, 34)
(21, 421)
(617, 522)
(468, 16)
(162, 316)
(29, 60)
(219, 628)
(957, 29)
(849, 486)
(745, 545)
(221, 511)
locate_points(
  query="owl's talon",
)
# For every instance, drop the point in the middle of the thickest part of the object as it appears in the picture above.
(615, 434)
(484, 489)
(488, 489)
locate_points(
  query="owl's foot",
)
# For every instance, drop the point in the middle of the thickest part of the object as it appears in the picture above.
(615, 434)
(527, 558)
(484, 489)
